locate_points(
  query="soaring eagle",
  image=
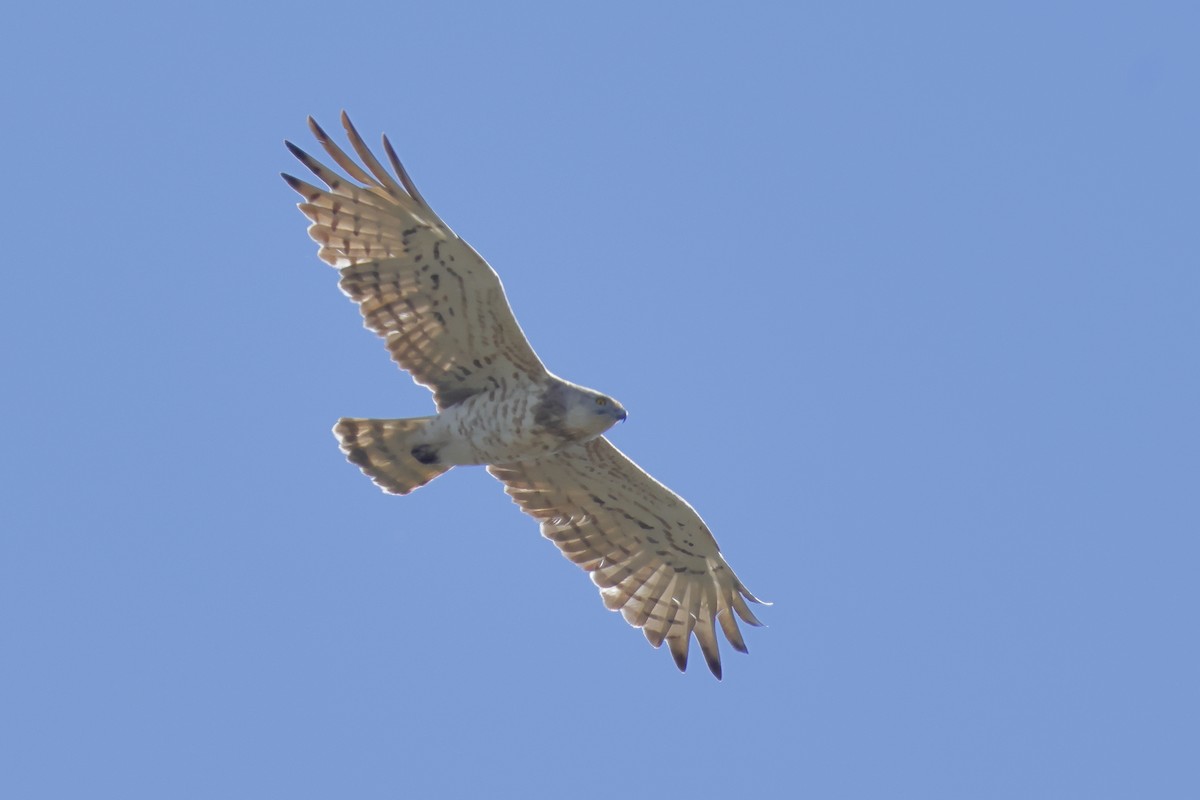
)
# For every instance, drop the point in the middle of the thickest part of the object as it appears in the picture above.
(443, 315)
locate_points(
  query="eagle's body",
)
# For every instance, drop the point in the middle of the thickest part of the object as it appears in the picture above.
(514, 421)
(442, 313)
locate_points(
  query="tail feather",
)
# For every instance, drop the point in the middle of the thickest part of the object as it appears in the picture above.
(390, 451)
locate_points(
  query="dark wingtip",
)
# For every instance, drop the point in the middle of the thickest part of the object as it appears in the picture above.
(680, 660)
(318, 131)
(348, 126)
(391, 153)
(301, 188)
(740, 647)
(714, 666)
(746, 593)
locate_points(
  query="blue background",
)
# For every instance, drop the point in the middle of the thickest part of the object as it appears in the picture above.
(903, 297)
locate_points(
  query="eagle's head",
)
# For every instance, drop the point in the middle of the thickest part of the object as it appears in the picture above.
(576, 414)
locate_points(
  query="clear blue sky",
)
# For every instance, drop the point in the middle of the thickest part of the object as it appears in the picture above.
(904, 297)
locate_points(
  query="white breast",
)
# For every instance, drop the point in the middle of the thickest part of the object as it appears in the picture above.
(494, 427)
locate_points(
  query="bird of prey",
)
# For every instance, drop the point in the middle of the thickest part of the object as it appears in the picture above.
(443, 315)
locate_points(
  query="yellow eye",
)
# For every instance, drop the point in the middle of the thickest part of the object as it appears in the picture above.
(601, 401)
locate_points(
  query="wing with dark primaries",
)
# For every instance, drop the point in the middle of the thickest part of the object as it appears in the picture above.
(437, 304)
(652, 556)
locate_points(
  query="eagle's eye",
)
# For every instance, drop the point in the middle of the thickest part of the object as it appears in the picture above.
(601, 401)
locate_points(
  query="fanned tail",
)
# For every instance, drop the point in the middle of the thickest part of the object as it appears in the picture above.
(390, 451)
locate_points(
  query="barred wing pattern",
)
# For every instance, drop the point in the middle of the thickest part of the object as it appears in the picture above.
(438, 305)
(652, 556)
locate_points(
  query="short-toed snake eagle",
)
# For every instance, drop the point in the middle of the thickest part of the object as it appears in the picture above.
(442, 313)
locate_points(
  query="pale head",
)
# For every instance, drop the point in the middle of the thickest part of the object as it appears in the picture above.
(577, 414)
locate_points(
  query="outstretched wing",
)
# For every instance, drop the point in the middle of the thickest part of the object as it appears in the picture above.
(652, 556)
(436, 302)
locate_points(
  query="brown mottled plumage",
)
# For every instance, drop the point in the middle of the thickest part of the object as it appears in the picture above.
(443, 315)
